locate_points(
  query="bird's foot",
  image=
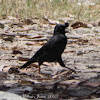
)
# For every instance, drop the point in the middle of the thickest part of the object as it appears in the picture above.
(72, 70)
(61, 74)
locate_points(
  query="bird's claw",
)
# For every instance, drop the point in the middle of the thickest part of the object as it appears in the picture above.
(72, 70)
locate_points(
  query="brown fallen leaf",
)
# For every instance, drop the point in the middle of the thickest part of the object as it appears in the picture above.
(33, 37)
(16, 52)
(23, 59)
(78, 24)
(29, 44)
(40, 39)
(26, 82)
(71, 51)
(34, 65)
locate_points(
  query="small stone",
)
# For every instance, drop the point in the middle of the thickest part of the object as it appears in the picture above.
(2, 26)
(79, 53)
(10, 38)
(13, 70)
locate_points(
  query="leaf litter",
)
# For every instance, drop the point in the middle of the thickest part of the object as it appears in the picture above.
(23, 38)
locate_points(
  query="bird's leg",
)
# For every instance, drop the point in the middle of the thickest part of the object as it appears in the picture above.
(39, 72)
(72, 70)
(39, 69)
(39, 64)
(62, 64)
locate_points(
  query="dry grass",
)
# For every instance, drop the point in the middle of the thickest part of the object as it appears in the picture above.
(51, 8)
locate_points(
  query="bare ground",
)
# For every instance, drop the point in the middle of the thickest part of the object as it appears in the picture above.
(19, 42)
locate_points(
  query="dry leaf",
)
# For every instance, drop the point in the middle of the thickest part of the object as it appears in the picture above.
(23, 59)
(16, 52)
(78, 24)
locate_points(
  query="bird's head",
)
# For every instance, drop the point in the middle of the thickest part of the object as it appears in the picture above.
(60, 28)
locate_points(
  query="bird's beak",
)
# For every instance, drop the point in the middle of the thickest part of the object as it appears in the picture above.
(66, 24)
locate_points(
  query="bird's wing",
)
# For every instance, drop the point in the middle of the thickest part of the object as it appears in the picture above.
(52, 43)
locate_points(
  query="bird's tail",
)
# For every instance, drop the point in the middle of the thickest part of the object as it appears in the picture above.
(32, 60)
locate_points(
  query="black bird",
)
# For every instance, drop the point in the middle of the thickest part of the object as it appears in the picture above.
(52, 50)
